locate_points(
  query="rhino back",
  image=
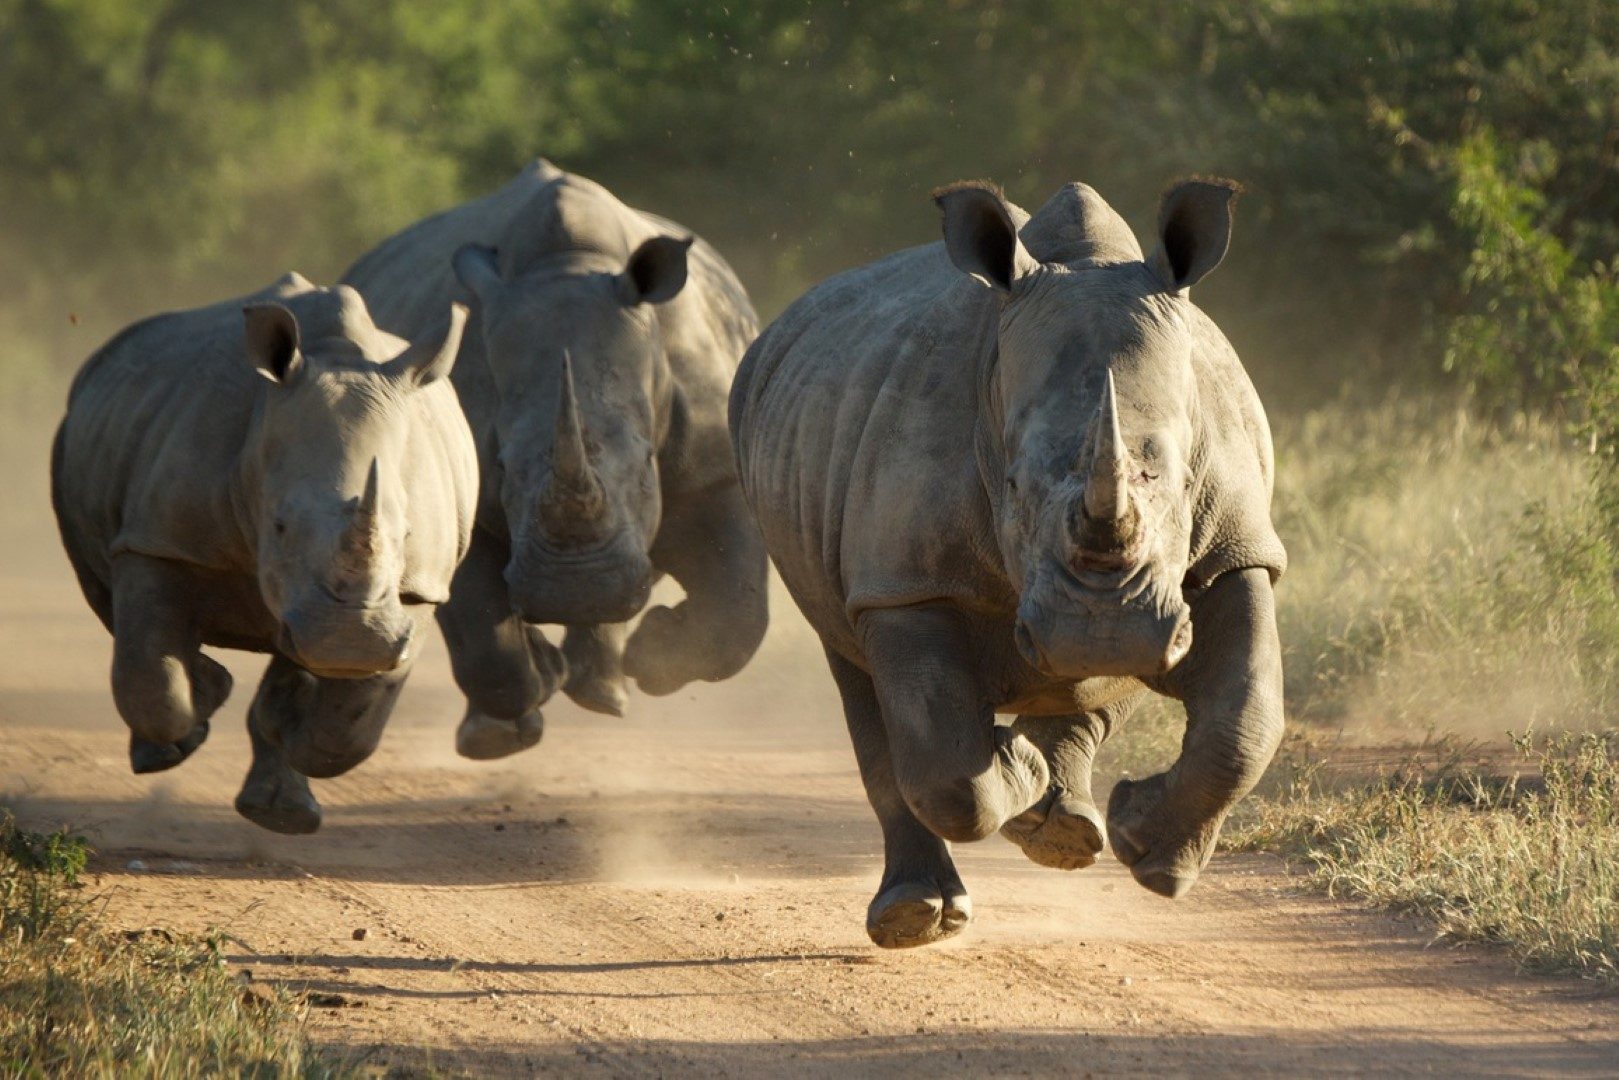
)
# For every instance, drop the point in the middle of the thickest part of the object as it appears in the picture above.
(853, 421)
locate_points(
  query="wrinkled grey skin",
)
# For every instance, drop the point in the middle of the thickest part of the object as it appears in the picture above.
(272, 474)
(594, 373)
(1020, 472)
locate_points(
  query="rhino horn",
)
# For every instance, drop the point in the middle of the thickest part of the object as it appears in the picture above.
(573, 500)
(360, 539)
(1107, 487)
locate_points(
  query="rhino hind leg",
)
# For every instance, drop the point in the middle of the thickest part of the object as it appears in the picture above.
(505, 667)
(920, 899)
(165, 688)
(1065, 830)
(595, 659)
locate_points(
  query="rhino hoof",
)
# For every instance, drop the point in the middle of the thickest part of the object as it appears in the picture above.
(151, 757)
(293, 813)
(484, 738)
(915, 913)
(601, 695)
(1165, 883)
(1061, 831)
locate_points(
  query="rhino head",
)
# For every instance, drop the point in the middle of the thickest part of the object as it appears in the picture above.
(578, 362)
(338, 566)
(1091, 413)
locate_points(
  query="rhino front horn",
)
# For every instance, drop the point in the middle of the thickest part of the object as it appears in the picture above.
(573, 500)
(1107, 487)
(361, 538)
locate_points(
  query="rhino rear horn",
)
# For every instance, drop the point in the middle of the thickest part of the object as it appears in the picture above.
(427, 361)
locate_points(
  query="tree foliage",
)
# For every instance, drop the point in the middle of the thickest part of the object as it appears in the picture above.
(1426, 178)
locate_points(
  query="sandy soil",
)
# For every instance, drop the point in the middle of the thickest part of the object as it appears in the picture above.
(682, 892)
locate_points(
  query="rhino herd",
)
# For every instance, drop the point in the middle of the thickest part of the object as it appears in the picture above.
(1016, 475)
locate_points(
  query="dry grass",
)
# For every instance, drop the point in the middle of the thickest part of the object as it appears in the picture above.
(1446, 577)
(80, 1000)
(1530, 864)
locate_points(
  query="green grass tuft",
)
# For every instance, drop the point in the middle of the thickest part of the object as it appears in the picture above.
(78, 999)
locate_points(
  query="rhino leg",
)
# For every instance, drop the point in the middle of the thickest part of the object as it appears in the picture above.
(711, 546)
(303, 726)
(595, 656)
(1065, 830)
(163, 685)
(505, 667)
(921, 898)
(961, 775)
(1165, 827)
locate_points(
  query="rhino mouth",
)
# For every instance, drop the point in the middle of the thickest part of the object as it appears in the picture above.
(346, 653)
(1090, 623)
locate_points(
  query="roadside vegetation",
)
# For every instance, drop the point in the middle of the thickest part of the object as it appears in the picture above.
(1528, 861)
(79, 999)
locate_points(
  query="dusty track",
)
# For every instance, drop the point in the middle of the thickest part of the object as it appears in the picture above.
(682, 893)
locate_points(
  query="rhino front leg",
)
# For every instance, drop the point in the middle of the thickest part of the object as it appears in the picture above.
(921, 898)
(505, 667)
(163, 685)
(1165, 827)
(595, 656)
(1065, 830)
(303, 726)
(961, 775)
(711, 546)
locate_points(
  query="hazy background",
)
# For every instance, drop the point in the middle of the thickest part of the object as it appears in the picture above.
(1421, 280)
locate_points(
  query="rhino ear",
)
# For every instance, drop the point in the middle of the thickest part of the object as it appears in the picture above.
(656, 272)
(981, 236)
(1194, 230)
(476, 269)
(272, 341)
(428, 360)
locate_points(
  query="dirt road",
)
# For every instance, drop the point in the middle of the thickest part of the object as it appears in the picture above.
(682, 892)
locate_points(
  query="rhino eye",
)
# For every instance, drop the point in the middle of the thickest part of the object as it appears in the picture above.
(280, 527)
(1011, 483)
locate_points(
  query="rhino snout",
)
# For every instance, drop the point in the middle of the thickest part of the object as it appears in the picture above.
(613, 586)
(348, 647)
(1083, 641)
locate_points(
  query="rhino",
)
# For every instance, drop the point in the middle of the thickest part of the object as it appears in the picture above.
(595, 374)
(1019, 472)
(272, 474)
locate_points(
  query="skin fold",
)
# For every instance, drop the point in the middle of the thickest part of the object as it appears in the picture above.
(1016, 480)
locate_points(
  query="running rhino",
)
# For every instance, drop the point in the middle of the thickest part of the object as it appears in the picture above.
(594, 373)
(1020, 472)
(272, 474)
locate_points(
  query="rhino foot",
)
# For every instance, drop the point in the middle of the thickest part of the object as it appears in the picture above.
(484, 738)
(151, 757)
(1163, 858)
(606, 696)
(1062, 831)
(914, 913)
(282, 803)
